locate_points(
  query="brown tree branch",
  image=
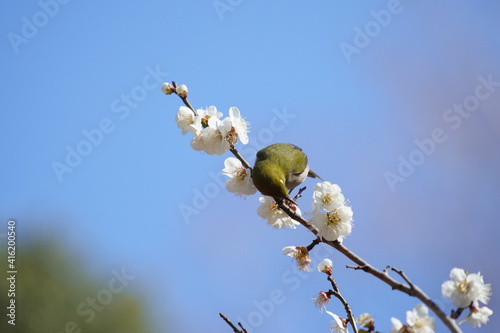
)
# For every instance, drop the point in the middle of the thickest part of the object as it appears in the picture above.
(335, 292)
(313, 244)
(410, 289)
(457, 313)
(238, 156)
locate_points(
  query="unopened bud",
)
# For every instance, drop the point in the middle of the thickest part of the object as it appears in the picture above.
(325, 266)
(182, 90)
(167, 88)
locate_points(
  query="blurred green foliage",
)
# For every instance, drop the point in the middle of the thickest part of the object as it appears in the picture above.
(55, 294)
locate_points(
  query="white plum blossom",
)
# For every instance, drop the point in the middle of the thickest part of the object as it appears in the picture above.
(213, 139)
(477, 316)
(240, 181)
(418, 321)
(203, 116)
(208, 135)
(275, 217)
(229, 130)
(328, 196)
(339, 325)
(185, 119)
(210, 111)
(334, 225)
(331, 216)
(325, 266)
(201, 138)
(463, 289)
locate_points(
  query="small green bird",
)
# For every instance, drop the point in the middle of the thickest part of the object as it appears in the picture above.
(279, 168)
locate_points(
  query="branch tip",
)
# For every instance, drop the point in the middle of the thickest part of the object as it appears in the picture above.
(403, 275)
(235, 329)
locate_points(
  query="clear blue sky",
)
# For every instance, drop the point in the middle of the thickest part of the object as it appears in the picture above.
(356, 85)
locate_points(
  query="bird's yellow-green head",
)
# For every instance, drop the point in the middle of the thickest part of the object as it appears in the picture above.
(279, 168)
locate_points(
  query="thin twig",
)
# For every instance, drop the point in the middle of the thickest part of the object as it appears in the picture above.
(184, 99)
(238, 156)
(299, 193)
(235, 329)
(313, 244)
(244, 330)
(456, 313)
(333, 283)
(335, 292)
(355, 267)
(403, 275)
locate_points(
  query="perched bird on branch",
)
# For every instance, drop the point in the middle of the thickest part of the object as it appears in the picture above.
(279, 168)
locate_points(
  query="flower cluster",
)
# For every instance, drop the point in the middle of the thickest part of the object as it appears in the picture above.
(212, 134)
(331, 216)
(467, 290)
(418, 321)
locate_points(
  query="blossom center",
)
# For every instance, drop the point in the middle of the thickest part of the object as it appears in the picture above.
(240, 173)
(462, 287)
(332, 218)
(232, 136)
(204, 121)
(327, 199)
(275, 209)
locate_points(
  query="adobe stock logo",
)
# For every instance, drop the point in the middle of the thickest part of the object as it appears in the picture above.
(223, 6)
(31, 26)
(454, 118)
(371, 29)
